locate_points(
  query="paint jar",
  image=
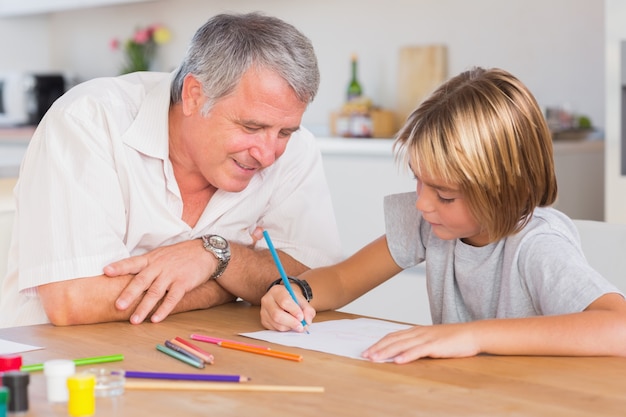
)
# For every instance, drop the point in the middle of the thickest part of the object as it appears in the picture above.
(10, 363)
(4, 399)
(57, 371)
(17, 383)
(109, 382)
(82, 398)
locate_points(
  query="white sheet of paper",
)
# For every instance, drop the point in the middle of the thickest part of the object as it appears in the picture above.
(8, 347)
(346, 337)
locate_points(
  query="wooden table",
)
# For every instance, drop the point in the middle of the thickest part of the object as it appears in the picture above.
(478, 386)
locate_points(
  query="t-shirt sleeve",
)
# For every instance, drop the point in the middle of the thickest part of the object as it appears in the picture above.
(404, 229)
(558, 277)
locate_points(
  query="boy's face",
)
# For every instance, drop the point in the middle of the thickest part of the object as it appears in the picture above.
(445, 208)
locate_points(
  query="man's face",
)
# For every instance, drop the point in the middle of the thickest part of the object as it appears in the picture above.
(244, 132)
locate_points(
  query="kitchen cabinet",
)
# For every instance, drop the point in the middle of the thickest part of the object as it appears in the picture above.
(13, 144)
(10, 8)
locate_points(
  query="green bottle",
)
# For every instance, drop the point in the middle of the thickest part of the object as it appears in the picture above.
(354, 88)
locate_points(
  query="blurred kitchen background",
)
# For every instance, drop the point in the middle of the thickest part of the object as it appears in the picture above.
(555, 46)
(568, 52)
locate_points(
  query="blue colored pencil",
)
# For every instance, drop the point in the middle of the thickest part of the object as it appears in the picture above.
(281, 270)
(180, 356)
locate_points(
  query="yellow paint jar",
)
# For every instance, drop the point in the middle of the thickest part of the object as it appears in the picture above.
(82, 396)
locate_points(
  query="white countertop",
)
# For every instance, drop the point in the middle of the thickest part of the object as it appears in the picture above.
(384, 147)
(353, 146)
(13, 143)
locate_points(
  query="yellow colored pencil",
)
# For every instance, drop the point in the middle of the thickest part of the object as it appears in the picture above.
(214, 386)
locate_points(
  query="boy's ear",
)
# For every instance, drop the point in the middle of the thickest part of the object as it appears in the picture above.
(192, 95)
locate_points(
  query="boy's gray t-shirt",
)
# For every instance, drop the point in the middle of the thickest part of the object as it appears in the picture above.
(538, 271)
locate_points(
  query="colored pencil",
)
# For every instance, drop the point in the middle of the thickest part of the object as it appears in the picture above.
(180, 356)
(261, 351)
(281, 271)
(183, 351)
(217, 340)
(206, 356)
(77, 362)
(216, 386)
(186, 377)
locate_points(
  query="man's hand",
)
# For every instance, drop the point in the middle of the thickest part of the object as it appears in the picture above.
(162, 275)
(256, 235)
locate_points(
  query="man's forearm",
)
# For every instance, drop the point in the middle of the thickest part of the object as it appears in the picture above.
(92, 300)
(250, 272)
(206, 295)
(83, 300)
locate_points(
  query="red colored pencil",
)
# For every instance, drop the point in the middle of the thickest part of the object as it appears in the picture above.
(217, 340)
(193, 349)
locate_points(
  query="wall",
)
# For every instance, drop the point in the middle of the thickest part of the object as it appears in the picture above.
(615, 183)
(554, 46)
(24, 44)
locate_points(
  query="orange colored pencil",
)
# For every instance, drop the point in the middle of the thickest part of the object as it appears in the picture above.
(261, 351)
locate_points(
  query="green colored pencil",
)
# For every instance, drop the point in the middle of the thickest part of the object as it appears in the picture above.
(180, 356)
(77, 362)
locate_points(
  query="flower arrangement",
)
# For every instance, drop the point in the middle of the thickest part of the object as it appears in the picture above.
(140, 50)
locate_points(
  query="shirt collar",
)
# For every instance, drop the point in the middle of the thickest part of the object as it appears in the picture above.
(149, 132)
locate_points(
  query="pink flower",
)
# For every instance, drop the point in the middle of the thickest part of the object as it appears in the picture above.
(142, 36)
(114, 44)
(140, 49)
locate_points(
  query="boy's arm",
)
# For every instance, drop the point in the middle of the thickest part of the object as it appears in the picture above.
(332, 287)
(337, 285)
(600, 330)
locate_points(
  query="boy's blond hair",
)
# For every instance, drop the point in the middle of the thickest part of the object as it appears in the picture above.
(484, 132)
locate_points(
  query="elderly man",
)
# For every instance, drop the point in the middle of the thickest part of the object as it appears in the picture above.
(144, 195)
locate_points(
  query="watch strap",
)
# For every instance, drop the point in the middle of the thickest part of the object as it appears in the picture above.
(304, 286)
(221, 267)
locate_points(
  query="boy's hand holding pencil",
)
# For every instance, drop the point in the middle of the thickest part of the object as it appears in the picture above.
(296, 306)
(280, 312)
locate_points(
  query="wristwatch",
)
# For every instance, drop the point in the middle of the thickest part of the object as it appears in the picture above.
(304, 286)
(219, 247)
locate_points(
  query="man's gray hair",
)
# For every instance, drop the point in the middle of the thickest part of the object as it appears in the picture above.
(227, 45)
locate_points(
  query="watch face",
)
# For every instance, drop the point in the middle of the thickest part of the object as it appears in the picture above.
(218, 242)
